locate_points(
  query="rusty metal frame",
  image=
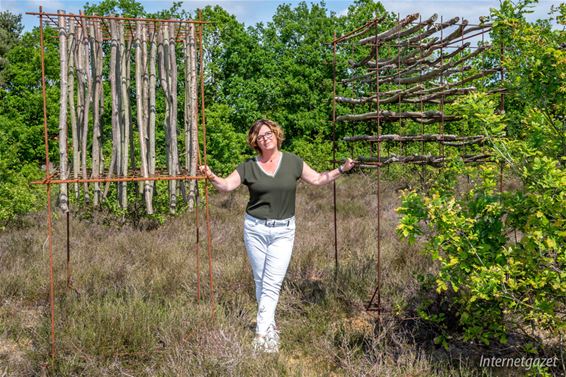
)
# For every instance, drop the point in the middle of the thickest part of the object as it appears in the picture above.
(49, 180)
(374, 304)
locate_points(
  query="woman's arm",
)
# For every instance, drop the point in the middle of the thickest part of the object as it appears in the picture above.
(311, 176)
(229, 183)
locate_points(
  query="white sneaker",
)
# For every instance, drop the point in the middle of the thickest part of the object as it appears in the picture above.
(259, 344)
(272, 339)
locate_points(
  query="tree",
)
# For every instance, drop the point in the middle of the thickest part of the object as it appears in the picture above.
(10, 30)
(502, 255)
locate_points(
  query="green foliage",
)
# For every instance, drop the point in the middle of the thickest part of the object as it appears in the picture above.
(501, 255)
(225, 146)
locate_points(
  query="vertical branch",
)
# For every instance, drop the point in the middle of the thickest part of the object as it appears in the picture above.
(125, 127)
(141, 126)
(113, 75)
(174, 169)
(77, 142)
(71, 97)
(96, 54)
(87, 100)
(145, 103)
(151, 100)
(191, 113)
(162, 58)
(63, 195)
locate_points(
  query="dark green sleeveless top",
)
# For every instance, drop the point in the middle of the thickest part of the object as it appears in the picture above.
(272, 197)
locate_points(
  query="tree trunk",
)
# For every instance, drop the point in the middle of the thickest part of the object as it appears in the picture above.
(125, 127)
(191, 113)
(63, 194)
(77, 141)
(141, 126)
(174, 170)
(113, 76)
(86, 110)
(96, 54)
(71, 98)
(151, 104)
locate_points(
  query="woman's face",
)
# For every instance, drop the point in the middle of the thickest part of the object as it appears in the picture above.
(266, 139)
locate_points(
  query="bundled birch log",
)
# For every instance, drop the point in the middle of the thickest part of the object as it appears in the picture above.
(84, 59)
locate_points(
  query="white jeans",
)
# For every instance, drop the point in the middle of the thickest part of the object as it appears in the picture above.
(269, 244)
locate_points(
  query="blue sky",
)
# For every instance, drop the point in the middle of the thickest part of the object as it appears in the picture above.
(251, 12)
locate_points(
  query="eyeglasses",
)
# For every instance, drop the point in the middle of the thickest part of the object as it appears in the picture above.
(266, 136)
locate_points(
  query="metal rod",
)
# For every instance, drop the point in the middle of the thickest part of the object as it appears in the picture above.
(207, 207)
(41, 14)
(48, 181)
(68, 251)
(336, 266)
(49, 211)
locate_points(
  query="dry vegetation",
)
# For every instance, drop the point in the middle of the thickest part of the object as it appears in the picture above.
(134, 311)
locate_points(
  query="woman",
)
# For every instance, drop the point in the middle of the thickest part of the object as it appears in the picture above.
(269, 225)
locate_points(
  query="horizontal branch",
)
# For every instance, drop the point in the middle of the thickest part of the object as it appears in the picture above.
(395, 29)
(374, 162)
(418, 116)
(445, 139)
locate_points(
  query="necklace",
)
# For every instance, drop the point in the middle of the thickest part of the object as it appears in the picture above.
(270, 160)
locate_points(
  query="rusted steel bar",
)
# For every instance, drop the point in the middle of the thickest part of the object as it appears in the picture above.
(68, 251)
(118, 179)
(119, 18)
(377, 292)
(207, 207)
(334, 157)
(49, 210)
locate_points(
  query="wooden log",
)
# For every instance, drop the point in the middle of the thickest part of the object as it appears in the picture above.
(193, 117)
(412, 30)
(96, 71)
(152, 108)
(141, 126)
(374, 162)
(430, 31)
(78, 59)
(442, 94)
(172, 75)
(388, 97)
(385, 115)
(445, 139)
(390, 32)
(63, 158)
(115, 99)
(86, 109)
(72, 45)
(362, 30)
(125, 115)
(145, 102)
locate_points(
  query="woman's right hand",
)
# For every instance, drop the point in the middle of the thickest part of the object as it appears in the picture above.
(205, 170)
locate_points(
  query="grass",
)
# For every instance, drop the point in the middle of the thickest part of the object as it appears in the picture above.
(134, 309)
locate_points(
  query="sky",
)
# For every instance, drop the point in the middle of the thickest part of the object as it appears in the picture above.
(251, 12)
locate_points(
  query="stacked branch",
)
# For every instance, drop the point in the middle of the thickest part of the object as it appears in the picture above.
(63, 194)
(425, 117)
(445, 139)
(436, 161)
(191, 113)
(83, 59)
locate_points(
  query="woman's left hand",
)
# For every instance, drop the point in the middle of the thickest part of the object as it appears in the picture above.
(348, 165)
